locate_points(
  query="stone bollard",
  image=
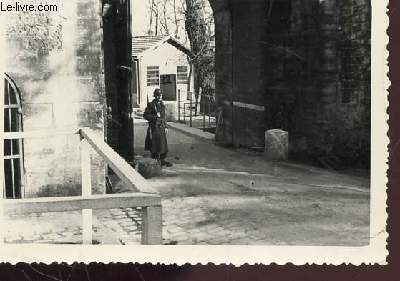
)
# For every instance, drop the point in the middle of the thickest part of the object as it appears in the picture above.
(276, 145)
(170, 112)
(148, 168)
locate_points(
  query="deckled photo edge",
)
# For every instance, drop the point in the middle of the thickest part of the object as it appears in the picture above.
(376, 252)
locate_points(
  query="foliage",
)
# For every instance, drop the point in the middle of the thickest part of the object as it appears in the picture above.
(193, 21)
(199, 31)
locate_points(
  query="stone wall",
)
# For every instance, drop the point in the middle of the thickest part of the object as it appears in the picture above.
(298, 65)
(248, 43)
(320, 88)
(354, 96)
(55, 58)
(223, 71)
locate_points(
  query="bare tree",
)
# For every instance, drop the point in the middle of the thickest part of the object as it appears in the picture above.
(198, 30)
(151, 5)
(165, 18)
(155, 8)
(176, 20)
(197, 22)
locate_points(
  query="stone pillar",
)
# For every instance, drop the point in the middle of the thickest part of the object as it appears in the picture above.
(329, 76)
(249, 40)
(223, 73)
(276, 145)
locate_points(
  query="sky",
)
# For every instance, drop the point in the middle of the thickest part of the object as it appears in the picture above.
(140, 21)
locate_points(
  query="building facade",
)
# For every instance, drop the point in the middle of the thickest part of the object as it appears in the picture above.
(56, 83)
(164, 63)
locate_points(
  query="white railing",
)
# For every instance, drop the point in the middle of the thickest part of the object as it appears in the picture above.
(146, 197)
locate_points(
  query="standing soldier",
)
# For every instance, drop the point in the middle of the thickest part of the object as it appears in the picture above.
(156, 137)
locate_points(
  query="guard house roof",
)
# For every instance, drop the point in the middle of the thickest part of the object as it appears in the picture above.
(141, 44)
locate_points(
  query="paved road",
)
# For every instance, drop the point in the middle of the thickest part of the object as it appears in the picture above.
(215, 195)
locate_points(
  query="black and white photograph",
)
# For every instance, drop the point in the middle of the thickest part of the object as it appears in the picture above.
(214, 130)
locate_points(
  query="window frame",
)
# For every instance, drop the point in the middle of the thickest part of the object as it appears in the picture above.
(179, 74)
(153, 80)
(12, 93)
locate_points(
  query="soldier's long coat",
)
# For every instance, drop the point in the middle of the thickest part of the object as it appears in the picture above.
(156, 139)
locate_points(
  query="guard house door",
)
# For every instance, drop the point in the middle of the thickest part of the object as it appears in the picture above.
(168, 86)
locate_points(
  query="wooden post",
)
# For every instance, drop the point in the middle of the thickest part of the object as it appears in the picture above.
(87, 222)
(209, 110)
(191, 107)
(204, 111)
(152, 225)
(179, 105)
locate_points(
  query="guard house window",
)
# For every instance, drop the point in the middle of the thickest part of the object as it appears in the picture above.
(181, 74)
(13, 148)
(153, 76)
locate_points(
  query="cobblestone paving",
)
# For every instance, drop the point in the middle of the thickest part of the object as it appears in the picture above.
(115, 226)
(193, 220)
(188, 222)
(185, 222)
(218, 196)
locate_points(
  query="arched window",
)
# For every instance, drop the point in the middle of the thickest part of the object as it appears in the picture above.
(13, 148)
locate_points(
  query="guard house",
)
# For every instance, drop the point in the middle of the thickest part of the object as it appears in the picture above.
(161, 62)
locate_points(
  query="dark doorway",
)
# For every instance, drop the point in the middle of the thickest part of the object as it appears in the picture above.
(168, 86)
(118, 73)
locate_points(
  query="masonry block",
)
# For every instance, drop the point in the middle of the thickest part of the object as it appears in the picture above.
(276, 145)
(38, 116)
(148, 168)
(171, 112)
(57, 66)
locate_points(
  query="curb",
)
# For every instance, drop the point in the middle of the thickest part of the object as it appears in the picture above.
(211, 138)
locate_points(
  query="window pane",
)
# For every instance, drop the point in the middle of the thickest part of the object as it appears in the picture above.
(13, 96)
(15, 147)
(153, 76)
(11, 147)
(7, 147)
(8, 178)
(182, 68)
(17, 177)
(14, 120)
(6, 93)
(6, 120)
(182, 74)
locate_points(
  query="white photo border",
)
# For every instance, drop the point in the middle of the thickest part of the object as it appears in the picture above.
(375, 253)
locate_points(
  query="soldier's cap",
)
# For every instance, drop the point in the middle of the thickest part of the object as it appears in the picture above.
(157, 92)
